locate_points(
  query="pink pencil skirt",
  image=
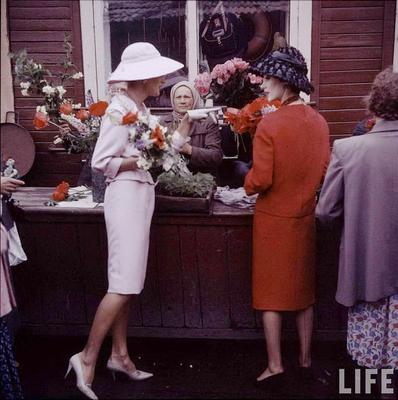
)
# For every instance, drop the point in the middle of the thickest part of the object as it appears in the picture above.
(128, 210)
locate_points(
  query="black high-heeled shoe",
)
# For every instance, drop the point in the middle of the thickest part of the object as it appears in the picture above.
(273, 382)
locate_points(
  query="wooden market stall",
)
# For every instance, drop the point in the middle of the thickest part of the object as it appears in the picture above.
(198, 282)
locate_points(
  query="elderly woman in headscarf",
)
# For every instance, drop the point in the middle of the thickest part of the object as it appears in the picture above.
(199, 141)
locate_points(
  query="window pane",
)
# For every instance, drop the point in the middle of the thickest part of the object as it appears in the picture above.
(161, 23)
(253, 26)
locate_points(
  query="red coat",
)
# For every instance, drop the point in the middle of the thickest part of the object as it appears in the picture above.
(290, 156)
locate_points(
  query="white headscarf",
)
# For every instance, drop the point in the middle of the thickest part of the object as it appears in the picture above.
(197, 101)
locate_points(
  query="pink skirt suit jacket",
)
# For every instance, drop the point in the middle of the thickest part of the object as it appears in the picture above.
(128, 205)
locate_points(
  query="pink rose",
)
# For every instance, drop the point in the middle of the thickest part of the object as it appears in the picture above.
(202, 83)
(240, 65)
(254, 79)
(229, 65)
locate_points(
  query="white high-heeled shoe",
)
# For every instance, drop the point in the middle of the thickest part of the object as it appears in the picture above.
(136, 375)
(85, 388)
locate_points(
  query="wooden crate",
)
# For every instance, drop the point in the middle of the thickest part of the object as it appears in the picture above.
(164, 204)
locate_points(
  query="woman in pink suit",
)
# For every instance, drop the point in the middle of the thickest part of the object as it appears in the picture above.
(128, 209)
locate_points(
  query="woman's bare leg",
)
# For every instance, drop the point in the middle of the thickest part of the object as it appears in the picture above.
(272, 323)
(304, 321)
(107, 312)
(119, 339)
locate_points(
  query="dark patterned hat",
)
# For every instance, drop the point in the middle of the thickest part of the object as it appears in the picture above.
(286, 64)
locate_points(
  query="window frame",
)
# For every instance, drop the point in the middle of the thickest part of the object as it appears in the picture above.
(96, 40)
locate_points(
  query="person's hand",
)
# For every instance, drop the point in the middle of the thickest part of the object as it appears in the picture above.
(186, 149)
(9, 185)
(232, 110)
(184, 126)
(129, 164)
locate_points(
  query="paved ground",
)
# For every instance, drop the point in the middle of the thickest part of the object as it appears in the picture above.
(184, 369)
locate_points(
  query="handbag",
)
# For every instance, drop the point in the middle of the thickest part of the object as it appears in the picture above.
(221, 34)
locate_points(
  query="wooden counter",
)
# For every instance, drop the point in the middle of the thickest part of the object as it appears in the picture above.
(198, 280)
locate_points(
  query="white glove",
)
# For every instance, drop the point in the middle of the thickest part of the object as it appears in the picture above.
(197, 115)
(178, 140)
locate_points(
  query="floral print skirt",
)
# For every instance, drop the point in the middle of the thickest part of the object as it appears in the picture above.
(372, 335)
(10, 386)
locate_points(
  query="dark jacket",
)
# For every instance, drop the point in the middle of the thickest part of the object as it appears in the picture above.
(206, 144)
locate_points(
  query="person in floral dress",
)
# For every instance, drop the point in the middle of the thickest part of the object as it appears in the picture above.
(361, 190)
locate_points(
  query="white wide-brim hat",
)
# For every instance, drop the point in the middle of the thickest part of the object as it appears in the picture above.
(142, 60)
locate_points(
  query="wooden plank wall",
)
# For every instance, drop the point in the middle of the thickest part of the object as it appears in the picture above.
(198, 281)
(39, 27)
(351, 42)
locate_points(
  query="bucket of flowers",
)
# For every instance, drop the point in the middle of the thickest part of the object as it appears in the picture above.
(78, 126)
(56, 108)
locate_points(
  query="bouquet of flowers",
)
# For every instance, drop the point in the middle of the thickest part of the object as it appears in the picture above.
(247, 118)
(86, 121)
(152, 140)
(230, 84)
(56, 109)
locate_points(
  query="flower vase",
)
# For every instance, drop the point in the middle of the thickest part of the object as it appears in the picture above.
(85, 173)
(98, 186)
(92, 178)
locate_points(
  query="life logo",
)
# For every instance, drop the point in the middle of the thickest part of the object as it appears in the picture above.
(367, 379)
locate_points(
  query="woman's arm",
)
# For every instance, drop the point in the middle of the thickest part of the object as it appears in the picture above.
(110, 146)
(259, 178)
(9, 185)
(331, 200)
(128, 164)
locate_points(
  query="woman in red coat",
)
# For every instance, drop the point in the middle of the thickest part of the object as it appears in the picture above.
(290, 155)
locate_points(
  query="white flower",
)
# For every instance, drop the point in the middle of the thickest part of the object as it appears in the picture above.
(24, 92)
(168, 163)
(143, 118)
(144, 164)
(41, 109)
(77, 75)
(152, 122)
(48, 90)
(132, 133)
(83, 129)
(25, 85)
(61, 91)
(57, 140)
(268, 109)
(77, 106)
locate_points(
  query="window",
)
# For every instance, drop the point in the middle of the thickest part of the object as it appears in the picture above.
(254, 24)
(161, 23)
(173, 26)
